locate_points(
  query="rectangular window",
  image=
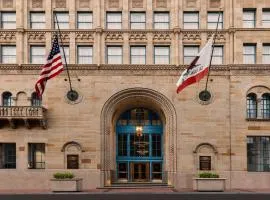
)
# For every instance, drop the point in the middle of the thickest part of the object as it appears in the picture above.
(114, 55)
(37, 20)
(122, 170)
(205, 162)
(249, 18)
(63, 20)
(36, 156)
(7, 155)
(213, 18)
(157, 170)
(156, 145)
(84, 20)
(258, 153)
(266, 18)
(66, 49)
(72, 161)
(161, 20)
(114, 20)
(217, 58)
(85, 55)
(190, 52)
(266, 54)
(137, 20)
(249, 53)
(8, 20)
(8, 54)
(162, 55)
(137, 55)
(122, 145)
(191, 20)
(37, 54)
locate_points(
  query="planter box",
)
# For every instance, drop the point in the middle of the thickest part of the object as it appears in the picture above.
(209, 184)
(66, 185)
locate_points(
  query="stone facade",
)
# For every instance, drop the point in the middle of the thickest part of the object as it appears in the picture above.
(191, 127)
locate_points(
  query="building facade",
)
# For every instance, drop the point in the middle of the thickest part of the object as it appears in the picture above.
(128, 125)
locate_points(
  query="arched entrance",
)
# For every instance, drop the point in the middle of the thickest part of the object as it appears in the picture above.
(125, 101)
(139, 147)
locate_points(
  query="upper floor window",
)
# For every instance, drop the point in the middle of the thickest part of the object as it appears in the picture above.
(249, 53)
(213, 18)
(8, 54)
(85, 54)
(7, 155)
(266, 18)
(36, 156)
(137, 20)
(114, 55)
(8, 20)
(84, 20)
(137, 55)
(161, 20)
(266, 54)
(37, 20)
(114, 20)
(63, 20)
(190, 52)
(35, 99)
(66, 49)
(162, 55)
(37, 54)
(265, 106)
(6, 99)
(249, 18)
(217, 58)
(251, 106)
(191, 20)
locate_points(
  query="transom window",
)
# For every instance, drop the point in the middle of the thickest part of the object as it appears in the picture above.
(161, 20)
(249, 18)
(114, 20)
(63, 20)
(191, 20)
(8, 20)
(212, 20)
(137, 54)
(84, 20)
(137, 20)
(37, 20)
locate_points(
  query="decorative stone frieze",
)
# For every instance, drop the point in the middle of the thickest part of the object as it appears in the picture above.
(220, 37)
(7, 36)
(64, 36)
(137, 37)
(137, 3)
(36, 36)
(214, 3)
(60, 3)
(7, 4)
(84, 36)
(161, 37)
(114, 37)
(84, 4)
(191, 3)
(161, 3)
(191, 36)
(37, 3)
(113, 3)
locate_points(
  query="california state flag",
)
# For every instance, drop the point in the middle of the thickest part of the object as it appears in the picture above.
(198, 68)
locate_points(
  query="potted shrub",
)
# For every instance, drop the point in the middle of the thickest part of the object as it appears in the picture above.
(208, 181)
(65, 182)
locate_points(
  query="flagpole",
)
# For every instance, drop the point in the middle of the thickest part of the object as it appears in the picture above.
(213, 47)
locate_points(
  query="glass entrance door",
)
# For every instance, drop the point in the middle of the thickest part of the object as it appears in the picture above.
(140, 172)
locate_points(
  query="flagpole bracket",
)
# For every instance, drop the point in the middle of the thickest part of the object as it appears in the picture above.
(72, 95)
(205, 96)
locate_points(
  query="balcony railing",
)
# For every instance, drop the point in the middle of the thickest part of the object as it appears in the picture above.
(26, 113)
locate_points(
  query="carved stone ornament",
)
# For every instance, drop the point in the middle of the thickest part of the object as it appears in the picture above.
(84, 37)
(214, 3)
(137, 3)
(191, 3)
(37, 3)
(159, 37)
(64, 36)
(192, 36)
(113, 3)
(161, 3)
(220, 37)
(7, 36)
(60, 3)
(137, 37)
(7, 3)
(114, 37)
(84, 3)
(36, 37)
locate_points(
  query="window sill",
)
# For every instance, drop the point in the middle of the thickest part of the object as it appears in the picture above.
(257, 119)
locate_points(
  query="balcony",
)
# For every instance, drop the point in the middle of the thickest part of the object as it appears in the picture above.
(28, 114)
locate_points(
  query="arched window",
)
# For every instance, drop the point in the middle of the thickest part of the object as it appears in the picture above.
(6, 99)
(266, 106)
(35, 99)
(251, 106)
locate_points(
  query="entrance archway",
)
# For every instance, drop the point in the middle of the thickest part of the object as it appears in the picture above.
(111, 112)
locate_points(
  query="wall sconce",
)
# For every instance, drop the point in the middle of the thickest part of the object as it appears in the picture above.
(139, 131)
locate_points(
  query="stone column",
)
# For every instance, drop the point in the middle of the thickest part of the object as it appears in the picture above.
(20, 31)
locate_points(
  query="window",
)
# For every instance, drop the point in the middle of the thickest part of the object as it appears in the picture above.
(161, 20)
(190, 52)
(114, 55)
(217, 58)
(157, 170)
(84, 20)
(72, 161)
(258, 153)
(162, 55)
(191, 20)
(66, 49)
(137, 20)
(212, 20)
(6, 99)
(266, 54)
(265, 106)
(35, 99)
(7, 155)
(63, 20)
(122, 145)
(114, 20)
(251, 106)
(8, 20)
(137, 55)
(205, 162)
(36, 156)
(8, 54)
(37, 54)
(85, 55)
(122, 170)
(249, 18)
(139, 145)
(249, 53)
(37, 20)
(266, 18)
(156, 145)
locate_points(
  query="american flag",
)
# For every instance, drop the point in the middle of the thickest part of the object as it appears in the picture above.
(53, 67)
